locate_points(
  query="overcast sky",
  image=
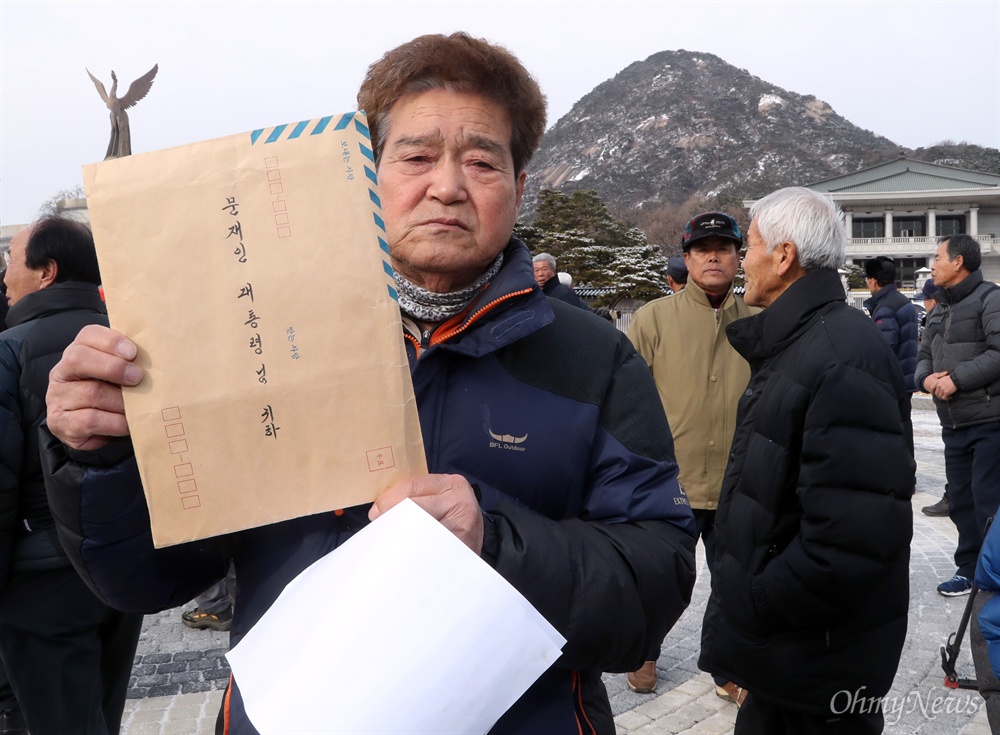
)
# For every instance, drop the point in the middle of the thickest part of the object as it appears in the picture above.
(915, 72)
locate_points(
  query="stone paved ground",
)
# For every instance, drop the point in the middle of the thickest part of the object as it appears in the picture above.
(685, 701)
(173, 659)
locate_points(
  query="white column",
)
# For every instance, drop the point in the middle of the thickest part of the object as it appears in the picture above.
(931, 223)
(974, 221)
(888, 224)
(849, 224)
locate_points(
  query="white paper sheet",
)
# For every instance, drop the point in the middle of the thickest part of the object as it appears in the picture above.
(400, 630)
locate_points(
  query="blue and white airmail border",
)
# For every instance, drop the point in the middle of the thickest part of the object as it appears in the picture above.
(318, 127)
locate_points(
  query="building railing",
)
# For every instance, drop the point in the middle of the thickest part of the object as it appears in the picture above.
(857, 297)
(624, 320)
(907, 245)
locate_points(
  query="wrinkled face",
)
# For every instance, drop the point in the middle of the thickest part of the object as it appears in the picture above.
(944, 271)
(449, 192)
(712, 263)
(543, 272)
(763, 284)
(20, 280)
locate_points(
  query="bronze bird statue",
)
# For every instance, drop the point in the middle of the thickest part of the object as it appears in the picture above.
(121, 141)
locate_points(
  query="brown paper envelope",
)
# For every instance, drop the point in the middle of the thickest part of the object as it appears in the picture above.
(252, 273)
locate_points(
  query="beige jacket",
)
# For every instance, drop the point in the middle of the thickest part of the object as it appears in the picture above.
(700, 379)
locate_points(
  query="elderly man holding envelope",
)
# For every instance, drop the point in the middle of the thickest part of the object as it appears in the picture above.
(584, 516)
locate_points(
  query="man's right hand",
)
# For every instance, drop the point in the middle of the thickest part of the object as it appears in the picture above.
(84, 399)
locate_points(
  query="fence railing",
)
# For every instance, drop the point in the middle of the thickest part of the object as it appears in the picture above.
(854, 298)
(907, 245)
(857, 298)
(624, 320)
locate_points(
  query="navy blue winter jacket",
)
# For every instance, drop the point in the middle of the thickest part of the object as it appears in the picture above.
(988, 580)
(896, 318)
(585, 516)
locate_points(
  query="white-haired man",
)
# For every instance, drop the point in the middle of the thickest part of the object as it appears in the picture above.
(547, 278)
(810, 585)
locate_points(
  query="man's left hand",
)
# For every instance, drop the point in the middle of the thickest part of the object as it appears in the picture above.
(449, 498)
(944, 388)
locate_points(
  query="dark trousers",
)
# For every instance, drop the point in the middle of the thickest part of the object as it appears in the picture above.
(68, 655)
(7, 700)
(220, 596)
(972, 466)
(704, 521)
(757, 717)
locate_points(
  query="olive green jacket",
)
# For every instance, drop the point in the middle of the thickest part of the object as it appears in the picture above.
(700, 379)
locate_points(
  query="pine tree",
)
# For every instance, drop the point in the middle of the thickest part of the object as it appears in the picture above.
(594, 247)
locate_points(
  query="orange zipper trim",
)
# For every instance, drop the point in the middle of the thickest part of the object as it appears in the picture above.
(578, 689)
(414, 340)
(225, 706)
(440, 336)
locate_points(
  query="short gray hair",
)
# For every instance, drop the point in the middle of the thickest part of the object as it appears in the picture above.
(547, 258)
(807, 218)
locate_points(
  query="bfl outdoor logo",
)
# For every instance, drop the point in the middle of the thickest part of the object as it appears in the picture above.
(502, 441)
(893, 708)
(506, 441)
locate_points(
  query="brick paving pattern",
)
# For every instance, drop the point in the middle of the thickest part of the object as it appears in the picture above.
(174, 657)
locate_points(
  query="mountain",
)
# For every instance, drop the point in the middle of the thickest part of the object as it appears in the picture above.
(960, 155)
(684, 125)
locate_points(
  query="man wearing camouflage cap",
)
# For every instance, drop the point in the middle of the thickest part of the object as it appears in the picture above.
(699, 377)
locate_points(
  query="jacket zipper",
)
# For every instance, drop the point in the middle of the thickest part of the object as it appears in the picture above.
(437, 338)
(944, 340)
(429, 338)
(413, 340)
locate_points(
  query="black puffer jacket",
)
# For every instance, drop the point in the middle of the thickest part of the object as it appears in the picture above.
(810, 587)
(554, 289)
(962, 337)
(42, 325)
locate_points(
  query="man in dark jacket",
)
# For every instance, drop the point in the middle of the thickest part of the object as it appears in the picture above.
(959, 365)
(582, 514)
(11, 720)
(547, 277)
(810, 587)
(677, 274)
(67, 653)
(893, 314)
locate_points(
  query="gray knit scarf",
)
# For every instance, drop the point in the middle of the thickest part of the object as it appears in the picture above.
(427, 306)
